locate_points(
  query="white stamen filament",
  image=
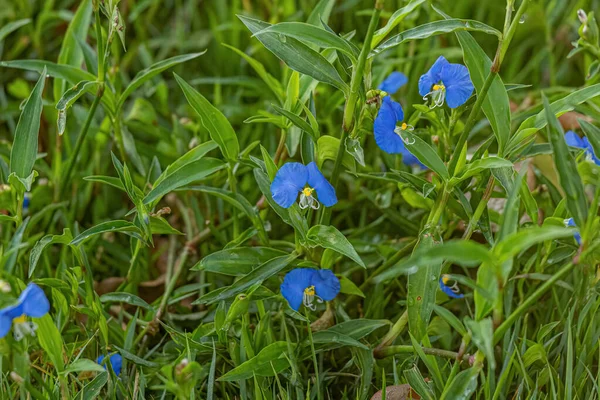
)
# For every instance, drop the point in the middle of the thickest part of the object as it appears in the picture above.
(308, 298)
(21, 329)
(437, 96)
(307, 200)
(407, 141)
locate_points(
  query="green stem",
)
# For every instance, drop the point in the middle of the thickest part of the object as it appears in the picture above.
(530, 301)
(392, 334)
(351, 102)
(81, 138)
(407, 349)
(480, 208)
(233, 187)
(314, 357)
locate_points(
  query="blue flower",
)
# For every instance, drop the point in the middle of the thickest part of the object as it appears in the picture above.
(304, 285)
(574, 140)
(116, 362)
(293, 178)
(31, 303)
(451, 291)
(393, 82)
(446, 81)
(386, 135)
(570, 222)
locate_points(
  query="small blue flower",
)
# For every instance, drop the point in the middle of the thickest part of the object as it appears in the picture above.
(386, 133)
(31, 303)
(393, 82)
(304, 285)
(446, 81)
(570, 222)
(451, 291)
(574, 140)
(293, 178)
(116, 362)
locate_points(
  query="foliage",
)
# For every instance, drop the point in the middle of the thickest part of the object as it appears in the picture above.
(142, 190)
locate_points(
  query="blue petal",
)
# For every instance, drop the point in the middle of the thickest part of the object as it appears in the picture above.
(117, 362)
(294, 284)
(326, 284)
(590, 150)
(574, 140)
(289, 180)
(34, 301)
(316, 180)
(393, 82)
(449, 291)
(385, 123)
(5, 324)
(576, 235)
(432, 76)
(457, 81)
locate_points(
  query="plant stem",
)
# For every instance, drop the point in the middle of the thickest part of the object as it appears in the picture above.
(480, 208)
(233, 187)
(81, 138)
(530, 301)
(349, 110)
(401, 349)
(314, 357)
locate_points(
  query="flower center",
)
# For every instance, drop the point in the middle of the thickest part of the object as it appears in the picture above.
(307, 199)
(436, 95)
(404, 126)
(308, 298)
(22, 327)
(445, 279)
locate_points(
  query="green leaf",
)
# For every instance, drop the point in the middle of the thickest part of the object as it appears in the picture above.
(496, 106)
(425, 153)
(127, 298)
(327, 149)
(213, 120)
(108, 226)
(93, 389)
(70, 97)
(422, 289)
(191, 172)
(358, 328)
(536, 122)
(335, 340)
(450, 318)
(109, 180)
(312, 35)
(299, 122)
(525, 238)
(148, 73)
(296, 55)
(25, 145)
(237, 261)
(256, 276)
(462, 386)
(135, 359)
(271, 82)
(463, 252)
(329, 237)
(83, 364)
(349, 287)
(477, 166)
(51, 341)
(267, 362)
(482, 334)
(44, 242)
(239, 202)
(397, 17)
(436, 28)
(68, 73)
(569, 178)
(417, 383)
(10, 27)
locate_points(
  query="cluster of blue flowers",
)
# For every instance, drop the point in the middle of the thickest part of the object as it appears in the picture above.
(444, 82)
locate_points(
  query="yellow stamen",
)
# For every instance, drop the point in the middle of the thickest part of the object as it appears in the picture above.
(19, 320)
(310, 291)
(438, 87)
(445, 279)
(307, 191)
(404, 126)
